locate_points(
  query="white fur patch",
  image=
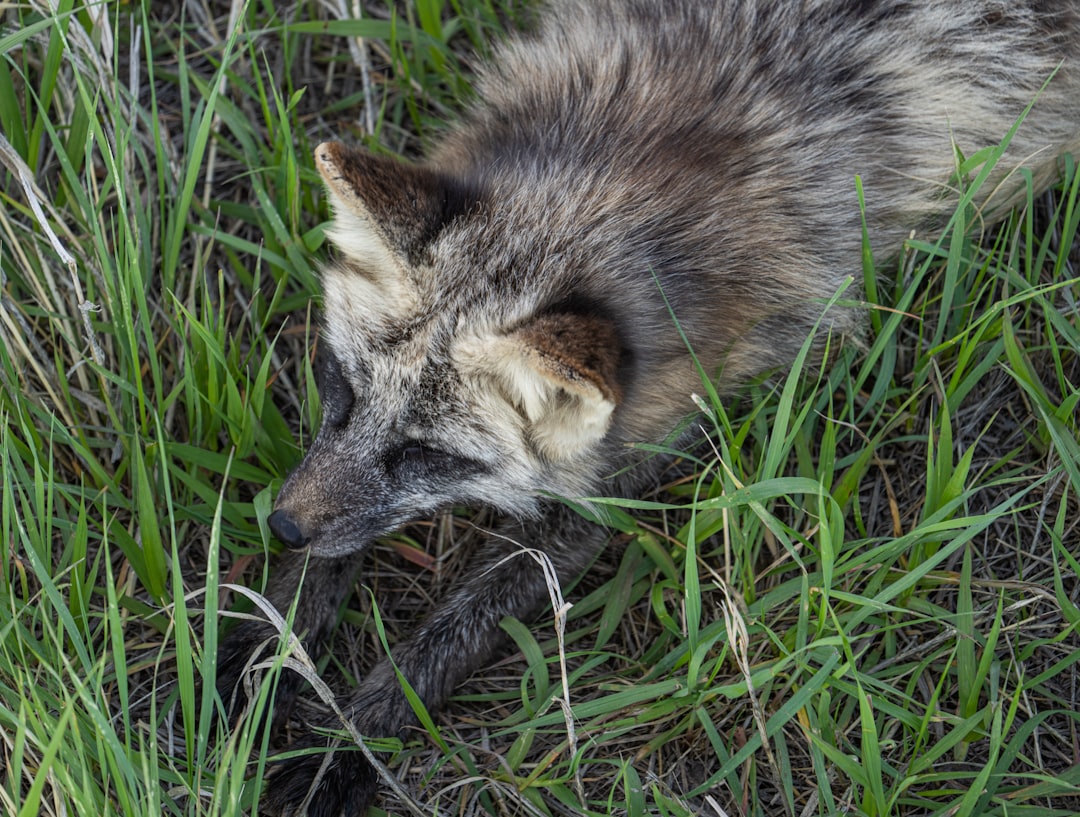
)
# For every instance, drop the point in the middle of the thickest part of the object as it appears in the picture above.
(564, 419)
(382, 287)
(354, 300)
(357, 237)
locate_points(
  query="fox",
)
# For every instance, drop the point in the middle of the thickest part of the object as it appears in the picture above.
(640, 188)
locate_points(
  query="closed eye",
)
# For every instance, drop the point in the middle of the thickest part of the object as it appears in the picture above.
(416, 458)
(415, 453)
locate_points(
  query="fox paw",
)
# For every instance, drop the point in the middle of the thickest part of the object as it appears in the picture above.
(235, 655)
(345, 789)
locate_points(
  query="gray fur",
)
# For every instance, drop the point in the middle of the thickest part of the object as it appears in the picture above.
(623, 153)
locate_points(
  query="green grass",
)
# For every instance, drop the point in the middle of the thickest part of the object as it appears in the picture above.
(863, 600)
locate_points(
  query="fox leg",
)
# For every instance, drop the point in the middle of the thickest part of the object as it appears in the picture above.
(323, 585)
(461, 635)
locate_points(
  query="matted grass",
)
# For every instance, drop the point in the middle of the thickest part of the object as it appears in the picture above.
(861, 597)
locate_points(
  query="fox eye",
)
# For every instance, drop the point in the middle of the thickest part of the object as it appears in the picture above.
(335, 393)
(415, 453)
(414, 458)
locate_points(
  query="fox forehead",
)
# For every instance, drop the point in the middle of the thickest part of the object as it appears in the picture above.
(433, 316)
(409, 366)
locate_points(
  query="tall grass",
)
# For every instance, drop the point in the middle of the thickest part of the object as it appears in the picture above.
(861, 598)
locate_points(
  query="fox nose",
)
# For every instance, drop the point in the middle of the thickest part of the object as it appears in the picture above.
(284, 527)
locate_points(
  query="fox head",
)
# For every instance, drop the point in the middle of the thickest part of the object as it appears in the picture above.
(455, 369)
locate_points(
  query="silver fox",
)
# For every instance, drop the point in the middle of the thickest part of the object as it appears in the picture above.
(499, 320)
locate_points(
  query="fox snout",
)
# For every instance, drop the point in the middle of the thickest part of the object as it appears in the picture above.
(337, 500)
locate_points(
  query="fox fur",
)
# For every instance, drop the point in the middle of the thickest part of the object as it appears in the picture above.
(502, 320)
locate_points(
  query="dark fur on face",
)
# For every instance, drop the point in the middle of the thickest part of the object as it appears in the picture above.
(500, 318)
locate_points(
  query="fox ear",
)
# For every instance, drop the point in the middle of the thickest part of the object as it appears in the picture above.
(559, 371)
(385, 211)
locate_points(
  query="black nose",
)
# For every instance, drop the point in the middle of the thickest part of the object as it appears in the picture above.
(286, 529)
